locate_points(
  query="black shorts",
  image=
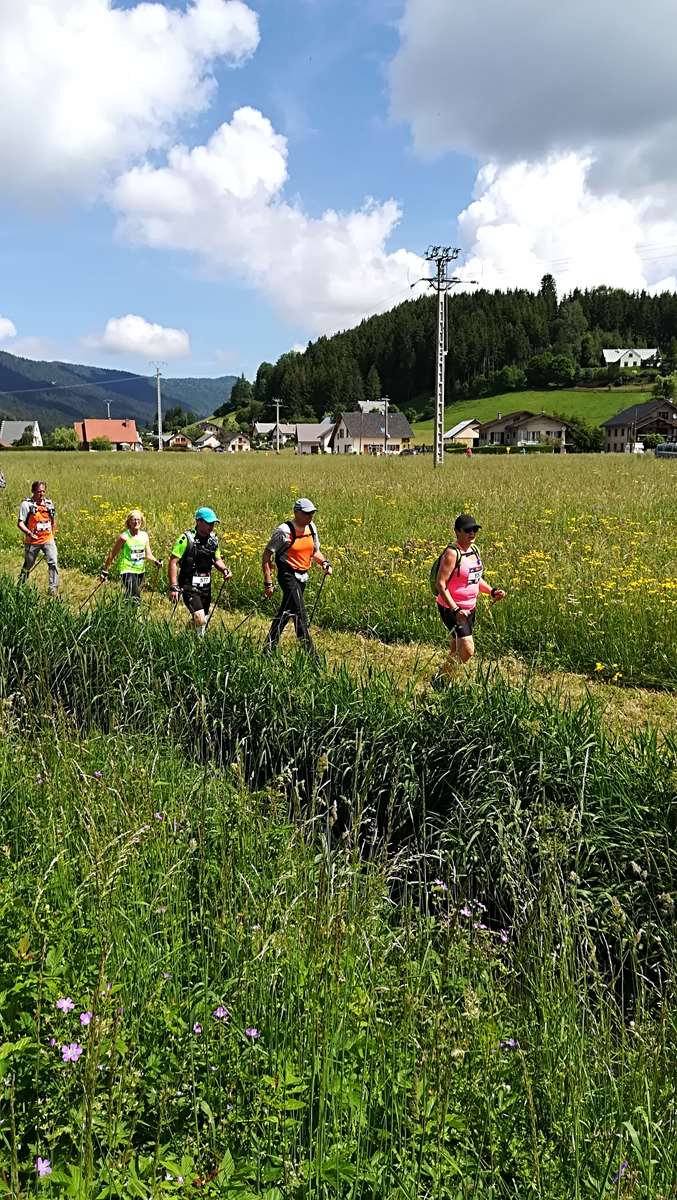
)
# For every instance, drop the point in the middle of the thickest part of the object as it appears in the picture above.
(132, 583)
(197, 600)
(448, 619)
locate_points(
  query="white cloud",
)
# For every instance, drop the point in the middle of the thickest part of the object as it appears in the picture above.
(506, 81)
(7, 329)
(134, 335)
(531, 218)
(87, 87)
(223, 202)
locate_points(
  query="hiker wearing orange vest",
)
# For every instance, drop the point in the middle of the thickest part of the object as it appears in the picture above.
(37, 522)
(295, 545)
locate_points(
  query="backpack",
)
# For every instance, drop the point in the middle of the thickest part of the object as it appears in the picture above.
(434, 570)
(282, 556)
(188, 559)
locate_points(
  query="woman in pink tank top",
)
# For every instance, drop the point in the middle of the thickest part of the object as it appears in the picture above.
(459, 582)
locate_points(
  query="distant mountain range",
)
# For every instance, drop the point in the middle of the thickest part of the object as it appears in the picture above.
(56, 393)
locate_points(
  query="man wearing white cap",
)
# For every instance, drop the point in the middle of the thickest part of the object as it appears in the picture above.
(295, 545)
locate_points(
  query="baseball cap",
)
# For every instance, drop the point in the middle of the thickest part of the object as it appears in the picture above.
(464, 522)
(206, 514)
(304, 505)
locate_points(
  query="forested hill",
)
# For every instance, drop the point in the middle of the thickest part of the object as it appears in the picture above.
(498, 341)
(53, 392)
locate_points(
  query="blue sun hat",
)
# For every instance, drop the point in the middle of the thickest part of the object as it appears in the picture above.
(208, 515)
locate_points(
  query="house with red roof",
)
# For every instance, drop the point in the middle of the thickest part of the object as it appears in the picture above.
(122, 435)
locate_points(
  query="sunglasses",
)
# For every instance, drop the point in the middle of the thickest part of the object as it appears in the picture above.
(471, 529)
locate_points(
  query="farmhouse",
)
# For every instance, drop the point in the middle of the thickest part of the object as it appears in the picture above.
(265, 430)
(12, 431)
(465, 433)
(314, 438)
(628, 426)
(176, 441)
(236, 443)
(616, 359)
(122, 435)
(524, 428)
(366, 433)
(209, 440)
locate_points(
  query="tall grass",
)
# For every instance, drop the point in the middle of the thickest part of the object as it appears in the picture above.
(586, 545)
(396, 1048)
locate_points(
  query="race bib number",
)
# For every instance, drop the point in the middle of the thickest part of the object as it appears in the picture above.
(200, 582)
(42, 526)
(474, 575)
(137, 556)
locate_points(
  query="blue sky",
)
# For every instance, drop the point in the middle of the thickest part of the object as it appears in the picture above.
(319, 75)
(211, 182)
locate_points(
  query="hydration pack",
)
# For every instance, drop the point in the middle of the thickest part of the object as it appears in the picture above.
(435, 569)
(195, 550)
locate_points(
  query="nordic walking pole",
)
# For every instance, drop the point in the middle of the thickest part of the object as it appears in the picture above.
(317, 599)
(210, 614)
(247, 618)
(91, 596)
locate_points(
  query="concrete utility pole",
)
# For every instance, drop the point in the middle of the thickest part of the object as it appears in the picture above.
(158, 388)
(277, 402)
(385, 440)
(108, 404)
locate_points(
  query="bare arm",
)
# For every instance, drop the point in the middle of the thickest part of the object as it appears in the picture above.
(444, 575)
(266, 566)
(112, 554)
(151, 556)
(221, 566)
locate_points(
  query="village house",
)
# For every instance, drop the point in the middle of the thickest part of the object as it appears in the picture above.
(209, 440)
(314, 437)
(176, 441)
(122, 435)
(465, 433)
(524, 428)
(236, 443)
(617, 359)
(265, 431)
(630, 425)
(12, 431)
(366, 433)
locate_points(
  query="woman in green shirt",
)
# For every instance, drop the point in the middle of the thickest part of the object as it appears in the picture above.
(134, 544)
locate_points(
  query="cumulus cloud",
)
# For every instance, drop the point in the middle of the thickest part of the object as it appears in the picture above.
(88, 87)
(7, 329)
(134, 335)
(506, 81)
(223, 202)
(531, 218)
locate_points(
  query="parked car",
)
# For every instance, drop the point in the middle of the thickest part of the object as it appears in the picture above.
(666, 450)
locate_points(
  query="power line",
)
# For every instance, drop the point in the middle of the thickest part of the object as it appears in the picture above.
(67, 387)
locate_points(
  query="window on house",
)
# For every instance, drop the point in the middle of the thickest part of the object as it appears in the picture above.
(342, 432)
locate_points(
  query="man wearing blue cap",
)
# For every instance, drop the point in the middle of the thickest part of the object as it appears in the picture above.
(194, 555)
(295, 545)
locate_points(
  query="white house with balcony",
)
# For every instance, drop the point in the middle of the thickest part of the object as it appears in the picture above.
(617, 359)
(524, 428)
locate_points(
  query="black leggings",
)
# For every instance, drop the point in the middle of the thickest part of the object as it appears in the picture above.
(292, 608)
(132, 583)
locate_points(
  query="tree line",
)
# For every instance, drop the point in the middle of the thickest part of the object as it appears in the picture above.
(498, 342)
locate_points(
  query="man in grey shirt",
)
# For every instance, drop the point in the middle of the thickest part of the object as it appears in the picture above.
(295, 545)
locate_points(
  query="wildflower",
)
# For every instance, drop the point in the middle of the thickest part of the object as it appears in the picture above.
(439, 885)
(159, 816)
(65, 1004)
(599, 666)
(465, 911)
(252, 1032)
(85, 1018)
(479, 925)
(43, 1166)
(620, 1172)
(509, 1044)
(52, 1042)
(197, 1029)
(503, 935)
(221, 1014)
(72, 1052)
(39, 779)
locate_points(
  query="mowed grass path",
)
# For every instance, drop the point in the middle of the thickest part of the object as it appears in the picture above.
(592, 404)
(585, 545)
